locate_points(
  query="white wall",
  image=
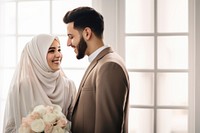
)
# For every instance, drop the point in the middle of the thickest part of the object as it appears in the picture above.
(108, 8)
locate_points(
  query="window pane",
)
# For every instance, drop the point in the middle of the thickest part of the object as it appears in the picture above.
(75, 75)
(8, 17)
(140, 52)
(141, 121)
(33, 17)
(172, 121)
(59, 8)
(142, 88)
(139, 16)
(173, 52)
(2, 56)
(172, 89)
(69, 56)
(172, 15)
(2, 17)
(8, 51)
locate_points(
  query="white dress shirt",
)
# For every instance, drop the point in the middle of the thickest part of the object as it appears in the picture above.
(95, 53)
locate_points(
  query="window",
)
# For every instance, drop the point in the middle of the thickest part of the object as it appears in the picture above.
(157, 55)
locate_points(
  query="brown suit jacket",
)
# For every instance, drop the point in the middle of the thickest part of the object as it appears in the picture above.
(101, 105)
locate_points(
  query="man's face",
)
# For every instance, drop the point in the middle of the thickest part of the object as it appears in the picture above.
(82, 46)
(76, 41)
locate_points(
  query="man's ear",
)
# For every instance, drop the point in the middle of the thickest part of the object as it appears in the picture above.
(87, 33)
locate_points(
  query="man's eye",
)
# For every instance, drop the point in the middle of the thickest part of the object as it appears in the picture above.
(70, 37)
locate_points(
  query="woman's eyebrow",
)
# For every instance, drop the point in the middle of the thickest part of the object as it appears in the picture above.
(53, 47)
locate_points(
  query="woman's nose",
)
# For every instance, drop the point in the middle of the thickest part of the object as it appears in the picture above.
(58, 54)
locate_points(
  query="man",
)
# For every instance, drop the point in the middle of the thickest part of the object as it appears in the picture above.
(101, 105)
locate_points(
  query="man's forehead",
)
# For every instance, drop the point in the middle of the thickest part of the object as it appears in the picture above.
(70, 25)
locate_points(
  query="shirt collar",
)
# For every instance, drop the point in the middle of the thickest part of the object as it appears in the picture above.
(95, 53)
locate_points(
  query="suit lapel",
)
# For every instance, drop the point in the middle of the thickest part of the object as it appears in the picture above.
(89, 69)
(83, 81)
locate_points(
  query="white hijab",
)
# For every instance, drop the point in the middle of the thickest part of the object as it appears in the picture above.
(34, 83)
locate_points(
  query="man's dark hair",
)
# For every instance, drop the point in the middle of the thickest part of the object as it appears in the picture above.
(86, 17)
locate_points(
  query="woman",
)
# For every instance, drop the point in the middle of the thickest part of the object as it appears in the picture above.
(38, 79)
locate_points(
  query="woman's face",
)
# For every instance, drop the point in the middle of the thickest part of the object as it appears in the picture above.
(54, 56)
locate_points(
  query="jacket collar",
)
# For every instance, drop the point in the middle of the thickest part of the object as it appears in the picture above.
(90, 67)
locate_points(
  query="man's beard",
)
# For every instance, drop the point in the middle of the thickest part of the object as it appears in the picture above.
(82, 46)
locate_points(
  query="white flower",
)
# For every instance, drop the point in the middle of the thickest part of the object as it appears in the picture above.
(38, 125)
(57, 129)
(57, 108)
(40, 109)
(50, 118)
(24, 129)
(59, 114)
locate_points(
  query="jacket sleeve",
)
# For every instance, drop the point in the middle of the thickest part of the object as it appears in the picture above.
(111, 93)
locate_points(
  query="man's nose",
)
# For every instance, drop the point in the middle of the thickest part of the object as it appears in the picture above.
(69, 42)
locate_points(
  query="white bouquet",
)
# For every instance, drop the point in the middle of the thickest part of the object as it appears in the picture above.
(45, 119)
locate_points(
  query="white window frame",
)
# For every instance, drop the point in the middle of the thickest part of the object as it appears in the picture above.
(114, 15)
